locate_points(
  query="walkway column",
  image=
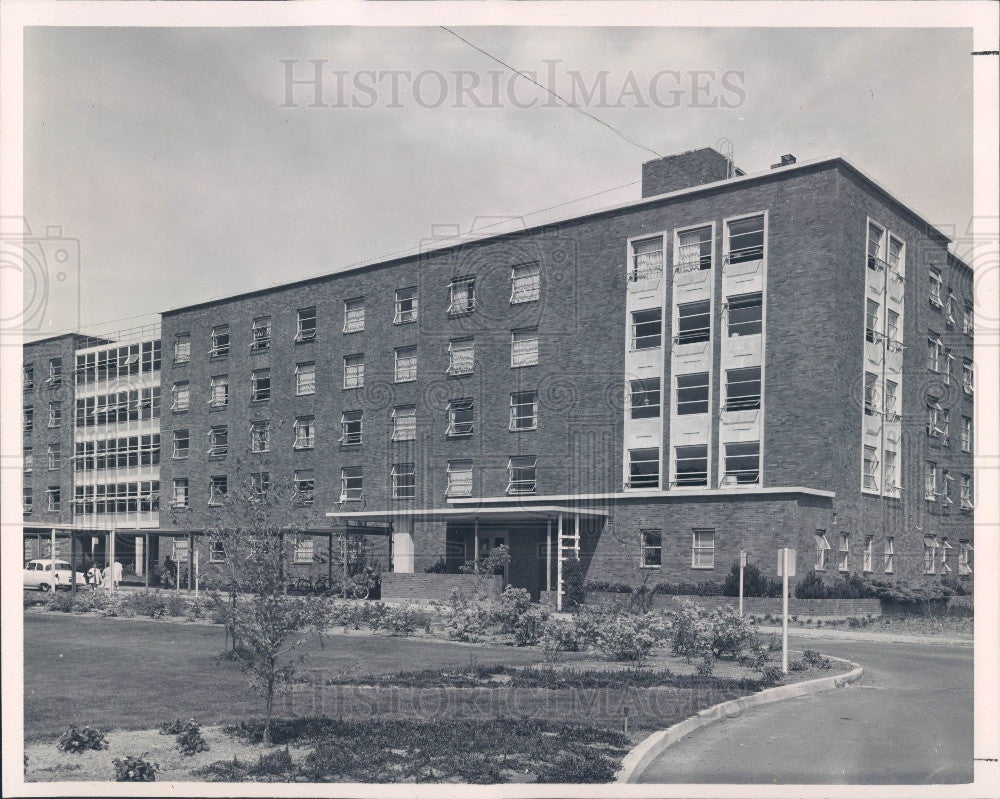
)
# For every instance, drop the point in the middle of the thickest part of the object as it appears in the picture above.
(403, 549)
(111, 559)
(559, 560)
(52, 547)
(329, 561)
(284, 567)
(72, 561)
(145, 557)
(190, 561)
(548, 554)
(343, 555)
(475, 543)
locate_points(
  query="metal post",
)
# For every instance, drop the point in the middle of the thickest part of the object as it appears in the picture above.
(343, 553)
(111, 559)
(548, 554)
(72, 561)
(559, 583)
(145, 557)
(52, 547)
(743, 563)
(329, 560)
(784, 610)
(284, 567)
(196, 565)
(475, 544)
(190, 561)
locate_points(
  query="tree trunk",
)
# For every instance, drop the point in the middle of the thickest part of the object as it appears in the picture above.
(269, 709)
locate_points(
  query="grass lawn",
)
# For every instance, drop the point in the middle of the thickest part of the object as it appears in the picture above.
(130, 674)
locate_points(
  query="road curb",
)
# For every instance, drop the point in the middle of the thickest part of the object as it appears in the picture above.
(650, 748)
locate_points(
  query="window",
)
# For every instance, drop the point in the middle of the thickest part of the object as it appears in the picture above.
(965, 492)
(303, 549)
(525, 283)
(462, 295)
(260, 482)
(871, 321)
(693, 322)
(53, 498)
(28, 377)
(305, 378)
(871, 394)
(524, 347)
(966, 434)
(459, 479)
(523, 410)
(892, 342)
(219, 396)
(950, 312)
(305, 486)
(964, 557)
(692, 393)
(644, 467)
(745, 315)
(650, 549)
(742, 463)
(945, 552)
(181, 393)
(260, 385)
(260, 436)
(182, 443)
(305, 325)
(29, 420)
(354, 315)
(745, 239)
(694, 250)
(28, 460)
(180, 495)
(644, 398)
(647, 329)
(935, 287)
(218, 488)
(930, 554)
(406, 364)
(946, 481)
(895, 257)
(406, 306)
(889, 556)
(460, 417)
(935, 352)
(351, 424)
(968, 320)
(461, 356)
(889, 472)
(260, 333)
(404, 423)
(968, 376)
(305, 432)
(55, 414)
(937, 420)
(55, 372)
(691, 465)
(868, 558)
(404, 485)
(216, 551)
(521, 474)
(843, 554)
(220, 341)
(703, 549)
(647, 260)
(351, 483)
(930, 481)
(354, 371)
(218, 438)
(743, 389)
(891, 401)
(55, 456)
(26, 498)
(822, 548)
(869, 476)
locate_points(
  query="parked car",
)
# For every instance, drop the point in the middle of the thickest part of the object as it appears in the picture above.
(40, 574)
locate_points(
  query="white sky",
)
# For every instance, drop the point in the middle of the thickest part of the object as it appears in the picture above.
(167, 154)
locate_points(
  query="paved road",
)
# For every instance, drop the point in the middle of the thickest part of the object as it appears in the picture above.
(907, 720)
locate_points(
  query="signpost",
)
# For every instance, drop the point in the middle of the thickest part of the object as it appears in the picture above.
(786, 569)
(743, 565)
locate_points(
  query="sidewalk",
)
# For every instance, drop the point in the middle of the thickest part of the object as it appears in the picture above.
(864, 635)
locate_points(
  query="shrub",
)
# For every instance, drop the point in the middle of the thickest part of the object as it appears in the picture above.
(692, 632)
(513, 604)
(771, 675)
(273, 764)
(191, 741)
(61, 603)
(605, 587)
(626, 637)
(797, 665)
(174, 604)
(570, 768)
(755, 583)
(815, 660)
(731, 633)
(851, 587)
(573, 574)
(441, 566)
(80, 740)
(147, 603)
(529, 626)
(401, 620)
(135, 769)
(175, 727)
(689, 589)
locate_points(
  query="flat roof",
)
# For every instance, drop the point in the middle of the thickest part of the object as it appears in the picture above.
(540, 510)
(740, 180)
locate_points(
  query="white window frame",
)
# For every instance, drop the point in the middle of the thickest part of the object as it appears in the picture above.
(303, 495)
(462, 295)
(930, 554)
(934, 295)
(749, 250)
(690, 481)
(460, 429)
(305, 432)
(54, 456)
(686, 258)
(868, 557)
(220, 342)
(258, 392)
(180, 453)
(525, 283)
(754, 299)
(966, 441)
(263, 427)
(215, 483)
(182, 348)
(352, 483)
(935, 346)
(304, 549)
(931, 481)
(305, 378)
(405, 364)
(968, 320)
(968, 377)
(354, 315)
(702, 554)
(964, 557)
(966, 496)
(889, 555)
(648, 264)
(640, 398)
(524, 347)
(517, 403)
(642, 457)
(889, 471)
(350, 437)
(303, 332)
(945, 547)
(519, 465)
(400, 488)
(869, 468)
(697, 335)
(218, 396)
(216, 551)
(260, 333)
(737, 473)
(218, 441)
(407, 432)
(406, 308)
(683, 405)
(180, 393)
(747, 402)
(459, 478)
(822, 548)
(462, 356)
(180, 496)
(55, 414)
(354, 370)
(844, 553)
(646, 549)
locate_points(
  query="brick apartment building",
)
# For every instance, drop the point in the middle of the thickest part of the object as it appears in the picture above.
(733, 362)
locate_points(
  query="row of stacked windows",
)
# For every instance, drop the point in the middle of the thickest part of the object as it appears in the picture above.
(112, 364)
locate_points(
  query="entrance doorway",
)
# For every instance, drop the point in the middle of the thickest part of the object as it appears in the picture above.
(491, 541)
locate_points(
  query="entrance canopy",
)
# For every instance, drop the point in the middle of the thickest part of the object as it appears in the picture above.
(520, 513)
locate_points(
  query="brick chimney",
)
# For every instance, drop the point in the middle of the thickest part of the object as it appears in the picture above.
(685, 170)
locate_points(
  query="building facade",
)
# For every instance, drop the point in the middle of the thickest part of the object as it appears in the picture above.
(731, 363)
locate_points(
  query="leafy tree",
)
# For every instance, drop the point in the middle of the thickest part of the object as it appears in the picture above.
(253, 524)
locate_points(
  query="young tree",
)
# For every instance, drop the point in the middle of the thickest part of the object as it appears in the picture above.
(253, 521)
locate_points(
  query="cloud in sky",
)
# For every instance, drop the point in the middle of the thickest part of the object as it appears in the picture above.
(168, 154)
